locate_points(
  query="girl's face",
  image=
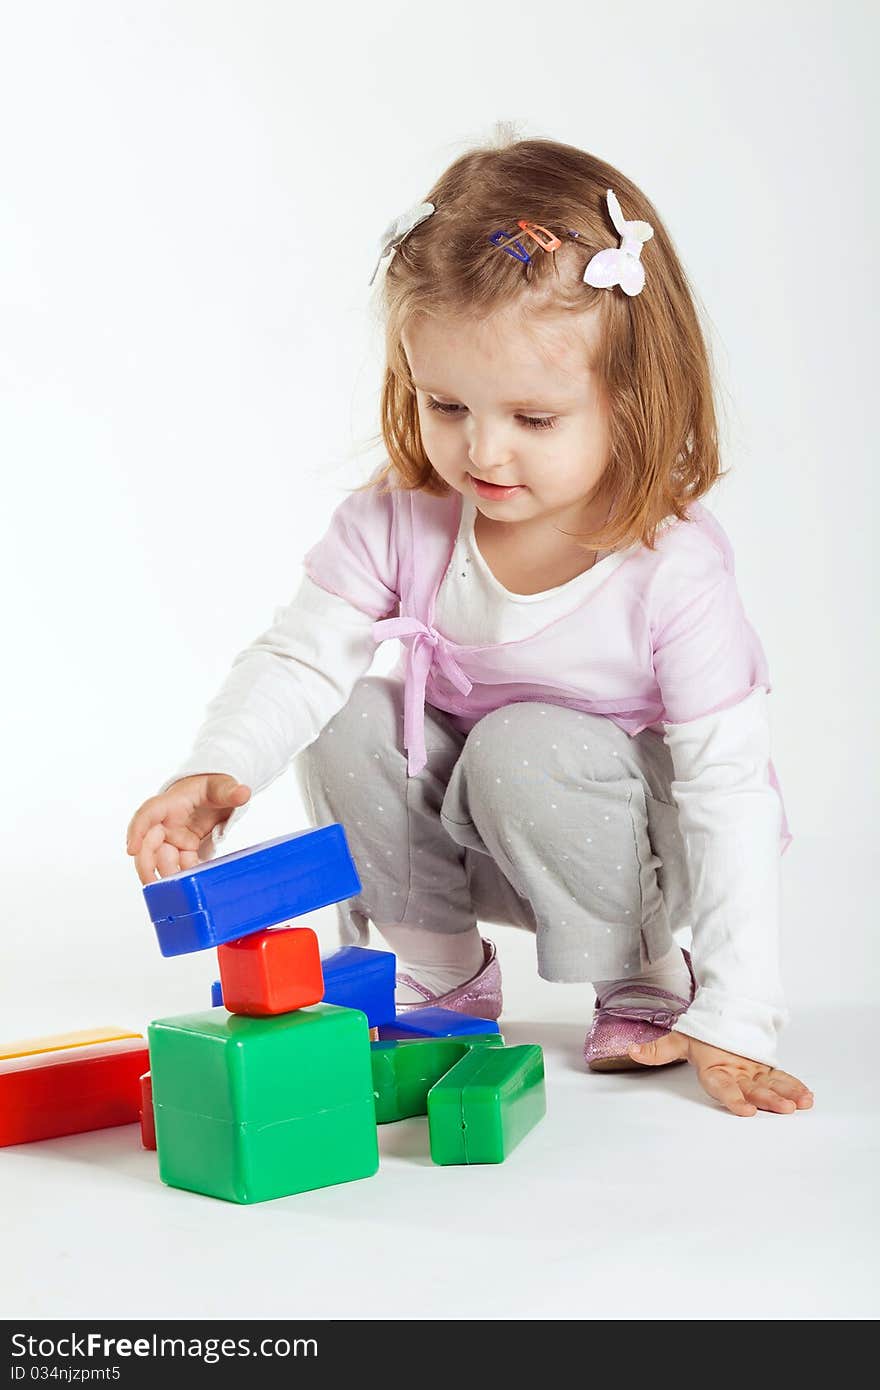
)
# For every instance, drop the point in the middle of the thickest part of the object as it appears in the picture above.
(516, 405)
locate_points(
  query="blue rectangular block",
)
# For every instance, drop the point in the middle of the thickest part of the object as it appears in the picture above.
(358, 978)
(435, 1023)
(216, 995)
(251, 889)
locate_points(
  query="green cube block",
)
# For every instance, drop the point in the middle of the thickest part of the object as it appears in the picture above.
(253, 1108)
(405, 1070)
(481, 1109)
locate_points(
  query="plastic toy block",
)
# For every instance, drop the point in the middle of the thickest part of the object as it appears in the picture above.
(249, 1109)
(271, 972)
(148, 1123)
(57, 1042)
(75, 1089)
(223, 899)
(481, 1109)
(216, 994)
(435, 1023)
(357, 978)
(404, 1072)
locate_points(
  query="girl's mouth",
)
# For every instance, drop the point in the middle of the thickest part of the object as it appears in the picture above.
(492, 489)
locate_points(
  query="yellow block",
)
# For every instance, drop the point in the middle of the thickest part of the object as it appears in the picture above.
(58, 1041)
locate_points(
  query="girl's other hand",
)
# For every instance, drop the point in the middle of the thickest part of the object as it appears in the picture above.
(743, 1086)
(165, 833)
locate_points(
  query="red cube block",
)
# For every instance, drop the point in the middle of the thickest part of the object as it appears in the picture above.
(271, 972)
(148, 1119)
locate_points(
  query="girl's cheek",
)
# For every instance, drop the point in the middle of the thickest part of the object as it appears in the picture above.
(435, 443)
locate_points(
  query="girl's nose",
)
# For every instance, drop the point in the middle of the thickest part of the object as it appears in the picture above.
(489, 451)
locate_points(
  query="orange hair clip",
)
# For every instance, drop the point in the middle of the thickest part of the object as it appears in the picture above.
(533, 228)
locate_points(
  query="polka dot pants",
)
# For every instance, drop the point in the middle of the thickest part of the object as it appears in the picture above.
(540, 817)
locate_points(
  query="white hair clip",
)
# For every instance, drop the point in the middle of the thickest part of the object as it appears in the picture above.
(398, 230)
(620, 265)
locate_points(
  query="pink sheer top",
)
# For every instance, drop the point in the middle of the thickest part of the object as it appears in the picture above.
(664, 638)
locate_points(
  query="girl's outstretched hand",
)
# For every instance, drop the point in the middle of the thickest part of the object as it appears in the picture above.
(744, 1086)
(165, 833)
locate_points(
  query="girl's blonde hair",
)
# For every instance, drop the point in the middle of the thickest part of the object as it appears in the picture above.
(652, 360)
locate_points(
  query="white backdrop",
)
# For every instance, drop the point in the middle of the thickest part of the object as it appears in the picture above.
(190, 199)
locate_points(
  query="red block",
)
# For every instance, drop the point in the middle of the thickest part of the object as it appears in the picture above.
(148, 1118)
(271, 972)
(46, 1094)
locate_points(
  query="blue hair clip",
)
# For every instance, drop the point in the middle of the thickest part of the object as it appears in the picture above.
(517, 251)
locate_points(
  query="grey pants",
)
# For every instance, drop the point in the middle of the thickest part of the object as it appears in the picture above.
(540, 817)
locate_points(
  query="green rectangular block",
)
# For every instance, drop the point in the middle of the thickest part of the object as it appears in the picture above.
(249, 1109)
(481, 1109)
(404, 1070)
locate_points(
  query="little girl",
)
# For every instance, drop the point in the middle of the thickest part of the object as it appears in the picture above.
(576, 737)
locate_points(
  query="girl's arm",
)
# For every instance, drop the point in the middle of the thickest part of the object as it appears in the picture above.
(730, 816)
(289, 683)
(279, 694)
(714, 681)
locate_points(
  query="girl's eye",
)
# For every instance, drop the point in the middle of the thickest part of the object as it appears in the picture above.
(534, 422)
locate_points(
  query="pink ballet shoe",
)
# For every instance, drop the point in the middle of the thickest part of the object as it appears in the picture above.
(616, 1027)
(480, 996)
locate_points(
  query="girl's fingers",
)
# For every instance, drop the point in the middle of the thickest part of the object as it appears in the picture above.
(150, 814)
(145, 859)
(145, 869)
(166, 851)
(791, 1088)
(774, 1091)
(223, 790)
(167, 860)
(722, 1087)
(183, 837)
(766, 1098)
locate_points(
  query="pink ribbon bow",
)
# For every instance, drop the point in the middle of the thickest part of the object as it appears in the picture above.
(426, 646)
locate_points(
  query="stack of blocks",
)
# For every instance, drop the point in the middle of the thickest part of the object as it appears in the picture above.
(272, 1092)
(279, 1086)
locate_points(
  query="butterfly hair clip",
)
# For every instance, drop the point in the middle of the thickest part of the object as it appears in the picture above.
(620, 265)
